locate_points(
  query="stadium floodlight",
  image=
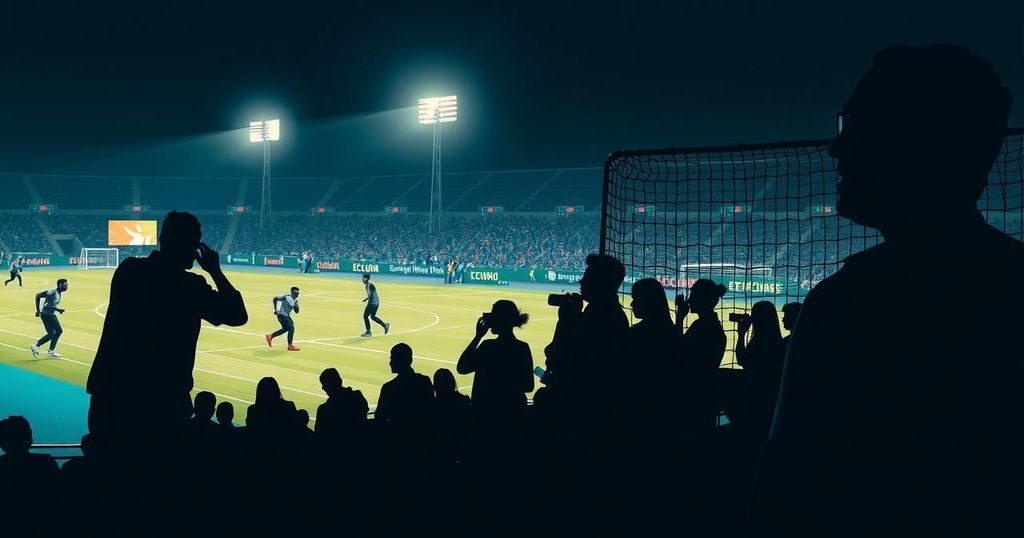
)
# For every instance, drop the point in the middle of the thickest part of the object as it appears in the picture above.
(438, 110)
(264, 131)
(435, 111)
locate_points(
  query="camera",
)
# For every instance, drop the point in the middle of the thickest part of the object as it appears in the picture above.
(488, 318)
(734, 317)
(562, 299)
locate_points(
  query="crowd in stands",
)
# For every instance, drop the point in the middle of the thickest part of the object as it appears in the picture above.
(21, 234)
(502, 241)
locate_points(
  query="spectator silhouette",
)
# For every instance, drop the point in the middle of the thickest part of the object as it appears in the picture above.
(654, 344)
(147, 348)
(580, 358)
(201, 424)
(503, 365)
(761, 360)
(26, 480)
(302, 421)
(225, 416)
(343, 416)
(272, 419)
(790, 313)
(452, 411)
(890, 417)
(406, 400)
(703, 348)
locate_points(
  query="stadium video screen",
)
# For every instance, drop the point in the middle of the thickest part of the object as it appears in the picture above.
(131, 232)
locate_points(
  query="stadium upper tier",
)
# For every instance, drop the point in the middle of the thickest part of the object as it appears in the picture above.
(515, 190)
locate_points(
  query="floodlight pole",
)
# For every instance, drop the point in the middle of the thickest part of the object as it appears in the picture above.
(265, 205)
(435, 180)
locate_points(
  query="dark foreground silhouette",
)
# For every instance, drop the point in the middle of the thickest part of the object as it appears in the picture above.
(895, 411)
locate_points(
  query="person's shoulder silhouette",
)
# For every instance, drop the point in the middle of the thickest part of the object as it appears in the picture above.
(151, 326)
(884, 364)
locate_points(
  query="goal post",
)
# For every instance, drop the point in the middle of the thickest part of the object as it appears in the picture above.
(99, 258)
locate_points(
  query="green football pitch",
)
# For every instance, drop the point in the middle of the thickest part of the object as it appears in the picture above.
(437, 320)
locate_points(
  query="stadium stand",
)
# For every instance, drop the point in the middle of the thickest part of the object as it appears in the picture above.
(84, 192)
(195, 194)
(22, 234)
(291, 194)
(15, 195)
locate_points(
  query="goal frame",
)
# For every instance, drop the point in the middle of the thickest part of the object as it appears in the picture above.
(83, 258)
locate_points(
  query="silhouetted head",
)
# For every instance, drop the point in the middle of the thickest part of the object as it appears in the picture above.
(602, 278)
(649, 299)
(179, 238)
(366, 278)
(15, 435)
(920, 133)
(295, 292)
(765, 321)
(330, 381)
(267, 390)
(790, 311)
(88, 445)
(302, 416)
(204, 405)
(444, 382)
(62, 285)
(401, 358)
(704, 295)
(505, 315)
(225, 413)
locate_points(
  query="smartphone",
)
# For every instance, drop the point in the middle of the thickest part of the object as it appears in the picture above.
(539, 371)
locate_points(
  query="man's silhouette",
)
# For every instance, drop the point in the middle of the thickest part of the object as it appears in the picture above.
(27, 481)
(343, 415)
(201, 426)
(790, 313)
(587, 342)
(405, 401)
(901, 398)
(148, 345)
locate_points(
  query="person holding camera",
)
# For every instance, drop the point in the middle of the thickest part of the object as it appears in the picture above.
(703, 347)
(580, 357)
(762, 360)
(503, 365)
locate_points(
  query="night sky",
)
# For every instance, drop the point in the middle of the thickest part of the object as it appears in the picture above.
(141, 88)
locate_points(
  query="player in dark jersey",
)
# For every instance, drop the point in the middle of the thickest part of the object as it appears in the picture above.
(372, 301)
(16, 265)
(283, 307)
(51, 307)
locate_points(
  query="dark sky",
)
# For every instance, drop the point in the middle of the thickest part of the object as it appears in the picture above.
(132, 87)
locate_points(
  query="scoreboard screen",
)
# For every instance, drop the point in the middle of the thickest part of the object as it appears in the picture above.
(122, 233)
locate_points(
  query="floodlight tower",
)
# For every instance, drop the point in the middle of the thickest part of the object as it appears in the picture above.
(435, 111)
(265, 132)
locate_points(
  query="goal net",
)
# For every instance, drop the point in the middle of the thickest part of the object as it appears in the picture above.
(759, 219)
(96, 258)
